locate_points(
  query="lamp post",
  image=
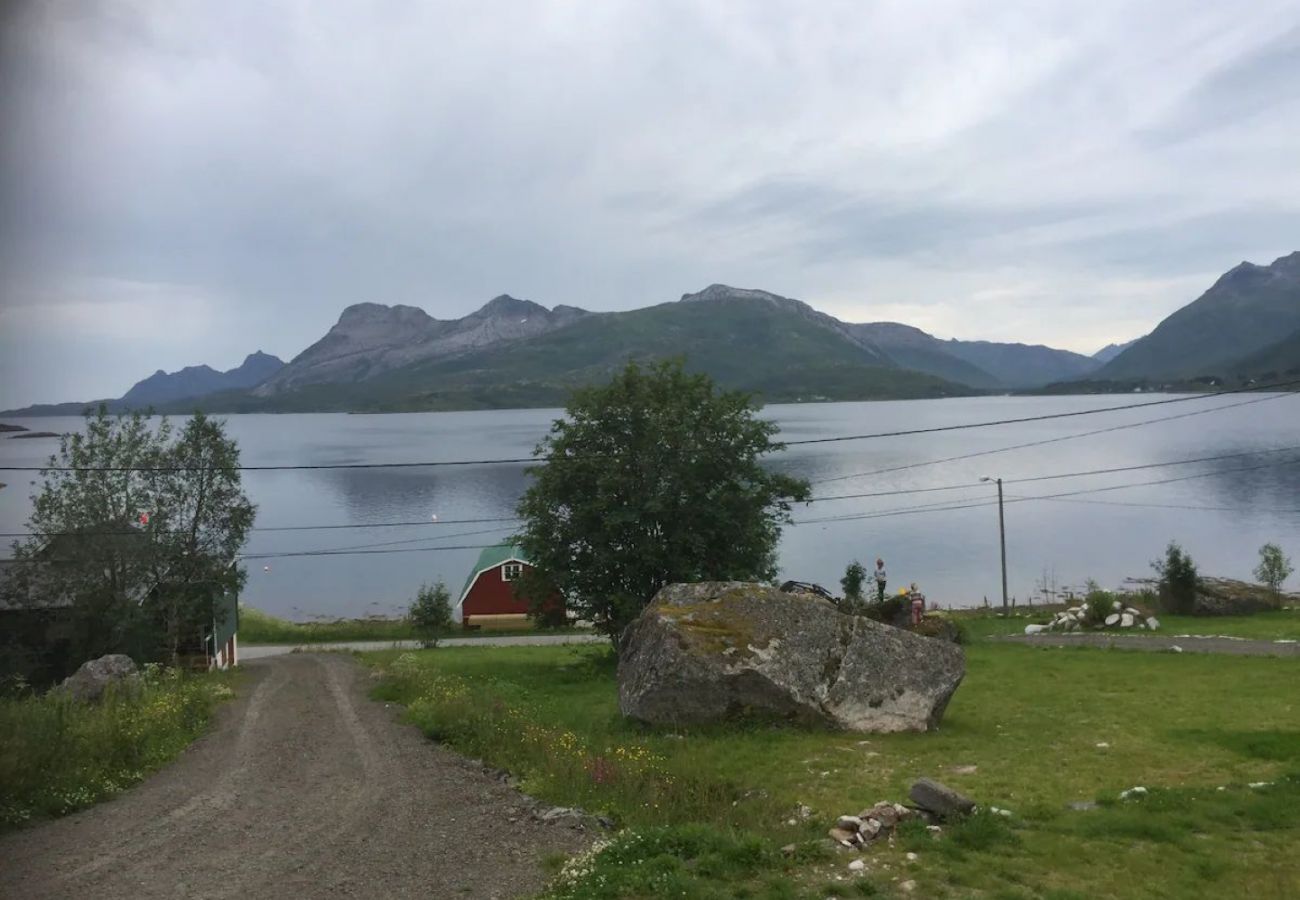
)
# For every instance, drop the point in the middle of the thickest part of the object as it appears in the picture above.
(1002, 538)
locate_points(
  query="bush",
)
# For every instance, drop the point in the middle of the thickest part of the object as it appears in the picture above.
(893, 610)
(1098, 604)
(946, 628)
(430, 614)
(854, 577)
(1274, 567)
(1176, 589)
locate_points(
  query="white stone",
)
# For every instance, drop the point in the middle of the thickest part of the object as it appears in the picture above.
(1117, 606)
(1102, 745)
(1126, 621)
(912, 857)
(1152, 623)
(1112, 618)
(857, 865)
(1034, 629)
(849, 823)
(907, 886)
(1131, 611)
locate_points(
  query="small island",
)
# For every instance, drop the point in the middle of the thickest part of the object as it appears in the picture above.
(34, 434)
(7, 428)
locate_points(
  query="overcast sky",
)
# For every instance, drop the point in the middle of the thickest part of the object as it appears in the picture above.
(185, 183)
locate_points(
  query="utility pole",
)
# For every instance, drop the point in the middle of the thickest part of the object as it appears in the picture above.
(1002, 538)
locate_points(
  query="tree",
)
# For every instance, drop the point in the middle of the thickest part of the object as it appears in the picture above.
(653, 478)
(854, 577)
(137, 533)
(1274, 567)
(430, 614)
(1178, 580)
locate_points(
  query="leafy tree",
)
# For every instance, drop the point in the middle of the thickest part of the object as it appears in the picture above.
(1178, 580)
(430, 614)
(1274, 567)
(137, 530)
(652, 479)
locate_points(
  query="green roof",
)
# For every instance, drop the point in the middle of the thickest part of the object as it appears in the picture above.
(490, 557)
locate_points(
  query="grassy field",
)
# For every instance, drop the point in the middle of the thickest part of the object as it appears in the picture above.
(58, 755)
(1282, 624)
(703, 812)
(258, 627)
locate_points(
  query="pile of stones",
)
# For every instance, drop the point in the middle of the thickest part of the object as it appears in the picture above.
(931, 802)
(1075, 618)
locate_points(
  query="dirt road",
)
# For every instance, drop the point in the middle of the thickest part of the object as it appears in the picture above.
(304, 788)
(260, 651)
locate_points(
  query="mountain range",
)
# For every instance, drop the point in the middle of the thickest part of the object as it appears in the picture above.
(514, 353)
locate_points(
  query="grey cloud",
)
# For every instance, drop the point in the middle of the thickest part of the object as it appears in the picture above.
(273, 162)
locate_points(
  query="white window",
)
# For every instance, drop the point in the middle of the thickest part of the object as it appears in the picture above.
(511, 571)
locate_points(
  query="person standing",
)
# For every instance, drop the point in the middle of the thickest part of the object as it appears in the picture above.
(917, 603)
(880, 581)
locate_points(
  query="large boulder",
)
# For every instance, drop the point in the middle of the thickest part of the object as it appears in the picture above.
(90, 681)
(1229, 597)
(700, 652)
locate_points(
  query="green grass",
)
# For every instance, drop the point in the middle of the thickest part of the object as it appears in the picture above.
(1029, 719)
(1282, 624)
(258, 627)
(58, 755)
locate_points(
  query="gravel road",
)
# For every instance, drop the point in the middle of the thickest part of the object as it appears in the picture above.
(261, 651)
(304, 788)
(1185, 643)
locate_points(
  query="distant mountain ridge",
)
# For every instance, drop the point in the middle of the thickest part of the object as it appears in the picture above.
(1248, 309)
(513, 352)
(1110, 351)
(199, 381)
(371, 339)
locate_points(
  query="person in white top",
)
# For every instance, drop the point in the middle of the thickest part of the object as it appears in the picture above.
(880, 580)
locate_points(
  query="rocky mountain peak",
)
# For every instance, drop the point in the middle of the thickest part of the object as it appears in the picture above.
(727, 292)
(505, 305)
(378, 313)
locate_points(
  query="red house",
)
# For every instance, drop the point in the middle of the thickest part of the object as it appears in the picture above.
(489, 595)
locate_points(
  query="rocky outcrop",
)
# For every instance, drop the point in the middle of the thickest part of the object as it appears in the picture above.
(940, 799)
(95, 676)
(701, 652)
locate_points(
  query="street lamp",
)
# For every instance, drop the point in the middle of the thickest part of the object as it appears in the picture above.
(1002, 536)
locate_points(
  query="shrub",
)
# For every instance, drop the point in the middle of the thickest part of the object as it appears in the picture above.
(946, 628)
(854, 577)
(1176, 589)
(430, 614)
(1099, 604)
(1274, 567)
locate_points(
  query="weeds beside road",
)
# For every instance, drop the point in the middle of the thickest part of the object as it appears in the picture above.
(59, 755)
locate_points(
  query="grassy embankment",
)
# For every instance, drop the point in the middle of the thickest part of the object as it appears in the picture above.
(58, 755)
(704, 810)
(1281, 624)
(258, 627)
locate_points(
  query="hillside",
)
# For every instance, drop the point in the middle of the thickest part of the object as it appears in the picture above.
(1275, 361)
(1110, 351)
(1242, 314)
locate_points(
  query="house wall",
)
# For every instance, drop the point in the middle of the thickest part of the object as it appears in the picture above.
(491, 596)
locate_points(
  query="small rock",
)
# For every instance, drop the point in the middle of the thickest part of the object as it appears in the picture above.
(842, 837)
(1117, 606)
(1102, 745)
(1152, 623)
(1132, 792)
(939, 799)
(1126, 621)
(849, 823)
(965, 770)
(907, 886)
(1112, 619)
(1176, 649)
(1082, 805)
(1034, 629)
(1259, 784)
(912, 857)
(857, 865)
(789, 849)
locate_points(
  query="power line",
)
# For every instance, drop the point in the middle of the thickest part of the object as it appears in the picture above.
(1158, 465)
(1274, 509)
(1045, 441)
(525, 460)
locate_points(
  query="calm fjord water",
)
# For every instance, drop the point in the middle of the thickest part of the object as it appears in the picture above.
(1221, 516)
